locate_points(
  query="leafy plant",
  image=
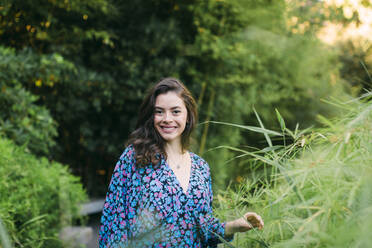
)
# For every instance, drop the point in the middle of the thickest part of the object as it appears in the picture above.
(38, 197)
(326, 202)
(21, 118)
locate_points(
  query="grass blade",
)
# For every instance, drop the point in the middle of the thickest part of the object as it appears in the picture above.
(263, 127)
(281, 120)
(275, 164)
(251, 128)
(365, 68)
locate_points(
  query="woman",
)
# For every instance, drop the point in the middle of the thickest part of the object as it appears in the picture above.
(160, 194)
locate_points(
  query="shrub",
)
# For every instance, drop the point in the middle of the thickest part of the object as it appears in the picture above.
(21, 118)
(38, 197)
(320, 198)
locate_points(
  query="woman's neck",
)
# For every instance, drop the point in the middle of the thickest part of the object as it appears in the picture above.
(173, 148)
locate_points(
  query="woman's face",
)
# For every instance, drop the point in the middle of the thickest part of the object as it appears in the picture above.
(170, 116)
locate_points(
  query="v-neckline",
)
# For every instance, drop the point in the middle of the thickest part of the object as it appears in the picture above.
(177, 181)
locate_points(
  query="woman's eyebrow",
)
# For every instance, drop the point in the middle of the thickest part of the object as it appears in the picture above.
(175, 107)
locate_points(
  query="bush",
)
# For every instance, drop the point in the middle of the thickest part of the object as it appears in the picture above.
(320, 198)
(21, 118)
(38, 197)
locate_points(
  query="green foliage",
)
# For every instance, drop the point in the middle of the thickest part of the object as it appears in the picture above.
(259, 64)
(354, 54)
(98, 62)
(315, 192)
(37, 198)
(356, 58)
(308, 17)
(73, 95)
(21, 119)
(52, 25)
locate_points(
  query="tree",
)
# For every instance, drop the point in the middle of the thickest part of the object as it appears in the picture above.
(232, 55)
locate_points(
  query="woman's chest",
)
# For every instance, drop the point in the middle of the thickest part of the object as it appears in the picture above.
(161, 189)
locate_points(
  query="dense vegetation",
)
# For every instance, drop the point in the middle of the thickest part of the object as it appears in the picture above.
(73, 73)
(38, 197)
(316, 192)
(88, 64)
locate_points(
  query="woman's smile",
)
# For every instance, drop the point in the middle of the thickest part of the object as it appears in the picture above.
(168, 129)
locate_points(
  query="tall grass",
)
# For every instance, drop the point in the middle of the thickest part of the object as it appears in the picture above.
(315, 191)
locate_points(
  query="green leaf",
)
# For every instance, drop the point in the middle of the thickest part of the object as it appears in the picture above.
(251, 128)
(263, 127)
(281, 120)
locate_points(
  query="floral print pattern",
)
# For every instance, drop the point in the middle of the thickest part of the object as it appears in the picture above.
(147, 207)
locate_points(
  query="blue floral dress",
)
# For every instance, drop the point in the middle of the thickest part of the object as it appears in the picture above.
(146, 207)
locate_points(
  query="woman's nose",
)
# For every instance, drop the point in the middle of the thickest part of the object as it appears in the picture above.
(167, 117)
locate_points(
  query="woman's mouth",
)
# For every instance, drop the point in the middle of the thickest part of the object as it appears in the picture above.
(168, 129)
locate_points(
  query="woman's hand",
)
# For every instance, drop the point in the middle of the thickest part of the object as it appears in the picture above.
(247, 222)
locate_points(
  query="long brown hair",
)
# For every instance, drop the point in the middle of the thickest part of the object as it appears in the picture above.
(146, 141)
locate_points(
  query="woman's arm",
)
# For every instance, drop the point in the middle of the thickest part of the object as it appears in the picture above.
(213, 229)
(114, 221)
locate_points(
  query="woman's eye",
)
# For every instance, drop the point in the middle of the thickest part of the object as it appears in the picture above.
(158, 111)
(176, 112)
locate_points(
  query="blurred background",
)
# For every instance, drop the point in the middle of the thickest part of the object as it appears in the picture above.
(73, 74)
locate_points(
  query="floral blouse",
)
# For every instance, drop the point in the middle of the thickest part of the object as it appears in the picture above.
(147, 207)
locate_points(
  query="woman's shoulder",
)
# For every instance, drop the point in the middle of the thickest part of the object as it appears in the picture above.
(199, 161)
(127, 158)
(128, 152)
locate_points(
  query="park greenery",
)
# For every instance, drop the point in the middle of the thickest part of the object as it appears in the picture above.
(314, 192)
(38, 197)
(73, 73)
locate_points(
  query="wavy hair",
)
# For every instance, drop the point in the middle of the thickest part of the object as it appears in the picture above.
(146, 141)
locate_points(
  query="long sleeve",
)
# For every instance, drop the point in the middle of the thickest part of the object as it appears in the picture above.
(212, 228)
(114, 230)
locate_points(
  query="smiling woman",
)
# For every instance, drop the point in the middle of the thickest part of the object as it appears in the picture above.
(161, 101)
(160, 194)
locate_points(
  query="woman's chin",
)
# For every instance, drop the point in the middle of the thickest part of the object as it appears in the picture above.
(169, 137)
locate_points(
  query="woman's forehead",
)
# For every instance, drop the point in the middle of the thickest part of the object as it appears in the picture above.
(169, 100)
